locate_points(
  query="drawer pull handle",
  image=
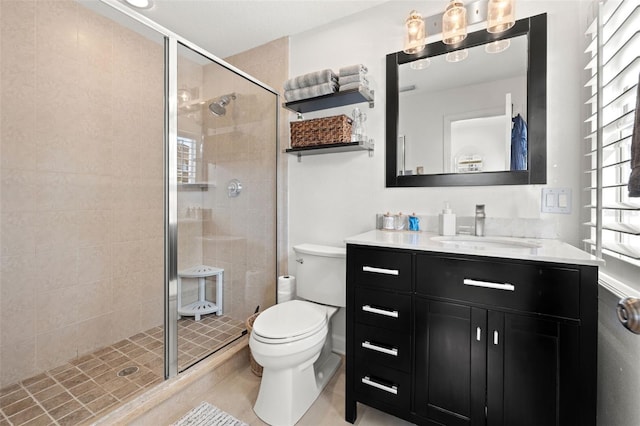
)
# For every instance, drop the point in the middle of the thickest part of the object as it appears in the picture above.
(368, 345)
(380, 270)
(391, 389)
(478, 333)
(377, 311)
(495, 337)
(487, 284)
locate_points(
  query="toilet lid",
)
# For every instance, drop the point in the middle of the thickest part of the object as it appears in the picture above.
(295, 318)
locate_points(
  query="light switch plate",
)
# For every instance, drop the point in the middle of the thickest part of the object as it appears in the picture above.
(556, 200)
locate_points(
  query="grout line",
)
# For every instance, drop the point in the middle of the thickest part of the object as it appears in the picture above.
(218, 324)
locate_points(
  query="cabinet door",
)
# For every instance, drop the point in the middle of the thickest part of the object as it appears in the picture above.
(532, 371)
(450, 363)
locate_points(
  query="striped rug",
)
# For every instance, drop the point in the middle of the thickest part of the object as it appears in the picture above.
(206, 414)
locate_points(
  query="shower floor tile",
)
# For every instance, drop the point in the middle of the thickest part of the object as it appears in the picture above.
(89, 387)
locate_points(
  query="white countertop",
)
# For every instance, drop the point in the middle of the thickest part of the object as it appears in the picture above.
(542, 250)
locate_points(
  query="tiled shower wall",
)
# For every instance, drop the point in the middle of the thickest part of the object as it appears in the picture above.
(237, 234)
(241, 237)
(270, 64)
(81, 184)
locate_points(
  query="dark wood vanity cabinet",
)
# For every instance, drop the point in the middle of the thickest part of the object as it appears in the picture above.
(468, 340)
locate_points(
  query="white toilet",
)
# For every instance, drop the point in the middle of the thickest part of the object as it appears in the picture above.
(292, 340)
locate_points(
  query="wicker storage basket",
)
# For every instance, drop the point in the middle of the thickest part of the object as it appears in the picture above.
(255, 367)
(321, 131)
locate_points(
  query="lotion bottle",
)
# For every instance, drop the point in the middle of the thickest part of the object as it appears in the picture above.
(447, 221)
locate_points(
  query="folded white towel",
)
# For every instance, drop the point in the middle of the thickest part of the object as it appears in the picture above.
(310, 79)
(310, 92)
(353, 78)
(352, 69)
(351, 86)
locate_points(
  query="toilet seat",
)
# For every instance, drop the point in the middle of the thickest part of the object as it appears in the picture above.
(289, 322)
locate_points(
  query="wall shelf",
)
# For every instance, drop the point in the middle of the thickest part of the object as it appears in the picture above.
(332, 148)
(203, 186)
(333, 100)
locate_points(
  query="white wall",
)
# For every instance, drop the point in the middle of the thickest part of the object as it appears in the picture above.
(334, 196)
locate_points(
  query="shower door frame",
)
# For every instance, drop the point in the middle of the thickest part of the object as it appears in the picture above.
(170, 161)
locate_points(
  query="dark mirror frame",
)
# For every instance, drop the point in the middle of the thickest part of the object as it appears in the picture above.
(535, 28)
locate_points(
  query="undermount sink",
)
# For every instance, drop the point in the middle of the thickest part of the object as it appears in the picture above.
(481, 243)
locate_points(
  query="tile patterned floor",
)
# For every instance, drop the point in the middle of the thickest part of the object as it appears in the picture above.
(237, 394)
(89, 387)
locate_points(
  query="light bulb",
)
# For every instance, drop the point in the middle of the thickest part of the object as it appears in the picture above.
(454, 23)
(414, 40)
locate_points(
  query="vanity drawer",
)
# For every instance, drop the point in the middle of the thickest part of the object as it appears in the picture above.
(382, 268)
(383, 309)
(537, 288)
(386, 347)
(378, 383)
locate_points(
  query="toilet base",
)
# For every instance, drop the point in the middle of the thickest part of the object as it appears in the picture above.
(285, 395)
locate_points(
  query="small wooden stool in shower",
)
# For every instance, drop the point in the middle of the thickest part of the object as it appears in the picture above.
(201, 306)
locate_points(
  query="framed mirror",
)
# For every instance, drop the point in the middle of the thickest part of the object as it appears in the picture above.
(470, 114)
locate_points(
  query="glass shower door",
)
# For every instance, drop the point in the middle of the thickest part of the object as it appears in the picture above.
(226, 193)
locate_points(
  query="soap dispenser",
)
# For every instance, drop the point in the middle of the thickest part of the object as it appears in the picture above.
(447, 221)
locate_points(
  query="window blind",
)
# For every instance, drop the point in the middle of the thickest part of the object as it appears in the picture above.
(186, 160)
(613, 66)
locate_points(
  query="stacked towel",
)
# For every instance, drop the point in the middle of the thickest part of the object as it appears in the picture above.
(353, 77)
(634, 179)
(311, 85)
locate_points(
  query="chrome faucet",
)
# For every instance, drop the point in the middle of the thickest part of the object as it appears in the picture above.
(480, 220)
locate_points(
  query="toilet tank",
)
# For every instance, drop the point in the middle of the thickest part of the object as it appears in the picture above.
(321, 274)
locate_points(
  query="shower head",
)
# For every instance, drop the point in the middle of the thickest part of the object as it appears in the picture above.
(217, 107)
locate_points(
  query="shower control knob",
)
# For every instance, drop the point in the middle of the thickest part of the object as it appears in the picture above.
(234, 188)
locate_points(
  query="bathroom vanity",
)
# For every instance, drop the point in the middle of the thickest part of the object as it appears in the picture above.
(466, 331)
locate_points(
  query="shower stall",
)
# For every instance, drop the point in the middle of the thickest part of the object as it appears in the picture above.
(130, 158)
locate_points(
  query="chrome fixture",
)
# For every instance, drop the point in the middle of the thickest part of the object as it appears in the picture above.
(452, 23)
(217, 107)
(629, 314)
(234, 188)
(480, 216)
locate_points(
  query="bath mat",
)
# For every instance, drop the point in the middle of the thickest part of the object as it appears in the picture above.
(206, 414)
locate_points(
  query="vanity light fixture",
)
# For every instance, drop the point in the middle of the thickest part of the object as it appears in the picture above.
(454, 23)
(414, 40)
(500, 15)
(140, 4)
